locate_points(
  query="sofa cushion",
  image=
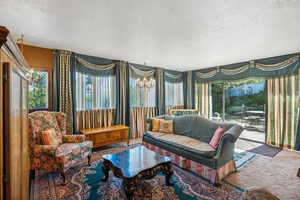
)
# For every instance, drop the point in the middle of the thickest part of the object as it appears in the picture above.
(190, 144)
(215, 140)
(166, 126)
(197, 127)
(155, 124)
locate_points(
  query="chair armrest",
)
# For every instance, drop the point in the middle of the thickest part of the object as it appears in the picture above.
(44, 149)
(73, 138)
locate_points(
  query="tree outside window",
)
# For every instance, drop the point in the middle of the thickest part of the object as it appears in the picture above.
(38, 91)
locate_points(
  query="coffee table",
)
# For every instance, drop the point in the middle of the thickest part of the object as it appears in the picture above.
(136, 164)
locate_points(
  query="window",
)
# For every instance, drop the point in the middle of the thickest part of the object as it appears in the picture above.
(38, 91)
(141, 97)
(242, 102)
(174, 94)
(95, 92)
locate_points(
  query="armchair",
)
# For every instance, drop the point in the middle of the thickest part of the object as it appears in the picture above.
(55, 158)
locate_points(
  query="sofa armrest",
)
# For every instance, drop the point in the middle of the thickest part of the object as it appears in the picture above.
(234, 133)
(226, 147)
(73, 138)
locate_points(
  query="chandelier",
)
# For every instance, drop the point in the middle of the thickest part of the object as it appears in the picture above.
(145, 82)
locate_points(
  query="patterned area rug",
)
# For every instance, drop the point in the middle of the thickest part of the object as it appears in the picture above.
(84, 183)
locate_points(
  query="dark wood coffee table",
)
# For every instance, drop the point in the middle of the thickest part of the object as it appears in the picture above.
(135, 165)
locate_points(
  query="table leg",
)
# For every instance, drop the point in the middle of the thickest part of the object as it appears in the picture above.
(105, 169)
(129, 187)
(168, 171)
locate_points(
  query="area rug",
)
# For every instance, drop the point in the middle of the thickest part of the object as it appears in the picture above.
(84, 183)
(266, 150)
(243, 158)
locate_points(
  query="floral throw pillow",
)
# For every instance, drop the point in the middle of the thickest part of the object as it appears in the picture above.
(166, 126)
(50, 137)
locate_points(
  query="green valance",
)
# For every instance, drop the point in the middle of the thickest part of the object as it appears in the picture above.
(173, 76)
(141, 71)
(94, 66)
(267, 67)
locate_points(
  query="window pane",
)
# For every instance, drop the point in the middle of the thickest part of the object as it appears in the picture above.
(38, 91)
(174, 94)
(141, 97)
(244, 103)
(95, 92)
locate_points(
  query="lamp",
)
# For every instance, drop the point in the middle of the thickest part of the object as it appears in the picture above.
(145, 82)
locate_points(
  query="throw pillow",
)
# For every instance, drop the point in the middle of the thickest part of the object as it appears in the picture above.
(49, 137)
(166, 126)
(155, 124)
(215, 140)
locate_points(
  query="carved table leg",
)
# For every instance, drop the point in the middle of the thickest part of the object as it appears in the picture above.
(129, 186)
(168, 171)
(105, 169)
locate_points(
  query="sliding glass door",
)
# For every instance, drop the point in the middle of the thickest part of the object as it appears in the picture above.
(242, 102)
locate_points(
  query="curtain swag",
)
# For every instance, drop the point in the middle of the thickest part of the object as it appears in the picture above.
(174, 76)
(143, 73)
(95, 66)
(207, 74)
(236, 70)
(262, 68)
(277, 66)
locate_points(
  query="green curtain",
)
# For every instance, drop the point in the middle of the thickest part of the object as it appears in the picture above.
(160, 91)
(188, 90)
(203, 99)
(122, 97)
(267, 67)
(64, 86)
(297, 145)
(282, 101)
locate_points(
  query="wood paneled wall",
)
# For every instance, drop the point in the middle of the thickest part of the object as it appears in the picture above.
(3, 34)
(14, 118)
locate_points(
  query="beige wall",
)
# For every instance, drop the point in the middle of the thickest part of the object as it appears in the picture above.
(37, 57)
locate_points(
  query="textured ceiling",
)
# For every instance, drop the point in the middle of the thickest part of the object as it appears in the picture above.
(175, 34)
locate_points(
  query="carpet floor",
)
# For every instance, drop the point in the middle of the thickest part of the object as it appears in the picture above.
(84, 183)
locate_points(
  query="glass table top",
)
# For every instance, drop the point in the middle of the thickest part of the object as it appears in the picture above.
(133, 161)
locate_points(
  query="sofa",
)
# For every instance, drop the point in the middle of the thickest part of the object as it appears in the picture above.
(189, 145)
(72, 150)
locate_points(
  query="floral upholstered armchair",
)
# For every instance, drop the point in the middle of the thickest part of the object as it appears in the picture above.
(67, 151)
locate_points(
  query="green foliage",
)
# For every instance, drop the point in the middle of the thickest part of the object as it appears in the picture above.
(37, 95)
(37, 98)
(236, 103)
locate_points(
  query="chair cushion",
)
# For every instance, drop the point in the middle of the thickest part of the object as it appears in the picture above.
(50, 137)
(190, 144)
(215, 140)
(40, 121)
(166, 126)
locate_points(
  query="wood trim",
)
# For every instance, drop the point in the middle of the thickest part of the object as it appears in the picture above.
(11, 49)
(3, 35)
(6, 126)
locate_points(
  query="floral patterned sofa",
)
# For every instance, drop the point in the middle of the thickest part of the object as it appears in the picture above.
(72, 150)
